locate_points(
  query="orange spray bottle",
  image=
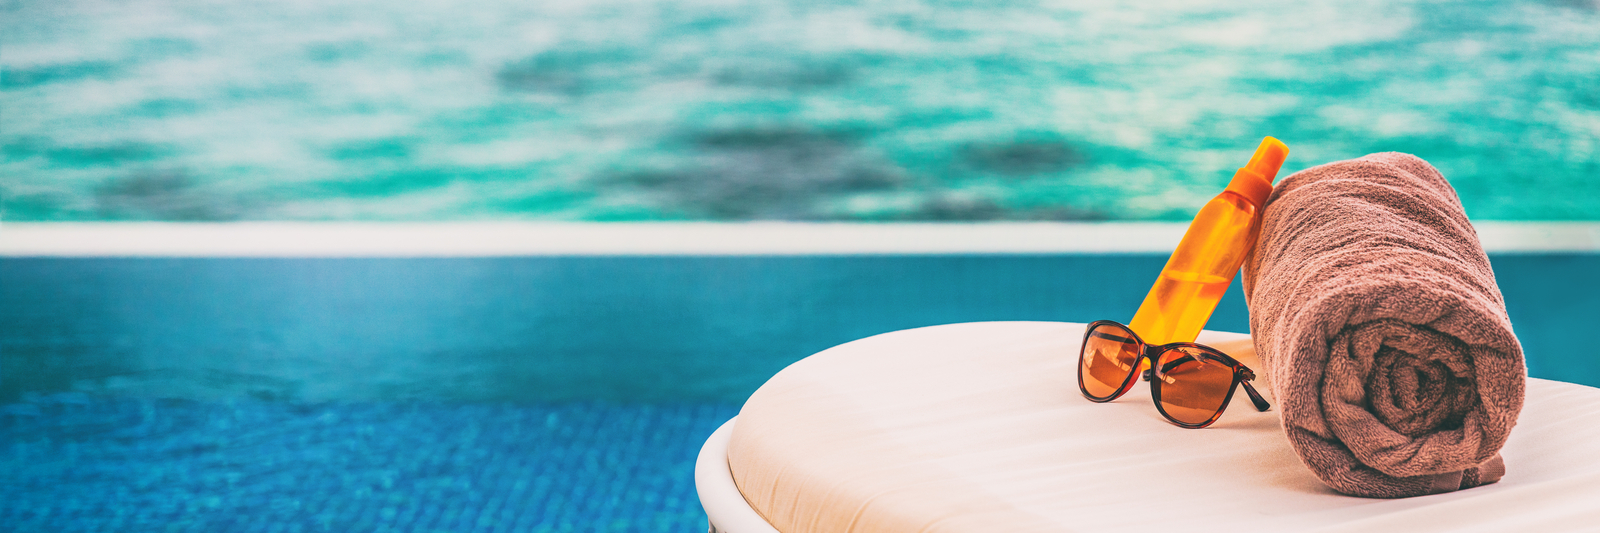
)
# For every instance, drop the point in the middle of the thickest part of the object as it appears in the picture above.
(1210, 254)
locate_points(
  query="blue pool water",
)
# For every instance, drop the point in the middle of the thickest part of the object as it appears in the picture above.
(559, 329)
(490, 394)
(78, 463)
(790, 109)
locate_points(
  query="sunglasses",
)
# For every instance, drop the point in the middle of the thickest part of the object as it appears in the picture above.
(1190, 383)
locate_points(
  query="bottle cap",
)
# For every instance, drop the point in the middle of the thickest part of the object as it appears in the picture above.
(1254, 181)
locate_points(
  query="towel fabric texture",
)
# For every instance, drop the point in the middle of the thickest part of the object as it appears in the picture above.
(1383, 334)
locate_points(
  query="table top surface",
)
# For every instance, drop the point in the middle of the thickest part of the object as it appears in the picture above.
(980, 426)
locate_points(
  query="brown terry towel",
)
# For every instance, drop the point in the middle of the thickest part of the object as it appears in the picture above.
(1377, 318)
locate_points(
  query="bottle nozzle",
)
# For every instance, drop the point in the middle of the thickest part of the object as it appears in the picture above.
(1268, 158)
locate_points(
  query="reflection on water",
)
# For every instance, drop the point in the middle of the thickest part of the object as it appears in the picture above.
(550, 329)
(533, 329)
(736, 110)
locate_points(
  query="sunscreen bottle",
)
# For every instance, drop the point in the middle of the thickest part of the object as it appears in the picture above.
(1210, 254)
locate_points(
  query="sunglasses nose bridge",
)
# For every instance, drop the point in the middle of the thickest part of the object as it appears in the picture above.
(1139, 361)
(1148, 357)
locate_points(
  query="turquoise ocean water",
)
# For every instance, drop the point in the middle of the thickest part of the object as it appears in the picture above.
(737, 110)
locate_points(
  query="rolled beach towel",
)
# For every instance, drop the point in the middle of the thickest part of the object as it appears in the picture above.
(1381, 329)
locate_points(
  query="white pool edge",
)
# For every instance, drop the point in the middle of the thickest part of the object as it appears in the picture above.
(726, 509)
(489, 239)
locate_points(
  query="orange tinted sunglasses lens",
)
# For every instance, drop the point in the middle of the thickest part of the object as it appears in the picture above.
(1108, 359)
(1193, 387)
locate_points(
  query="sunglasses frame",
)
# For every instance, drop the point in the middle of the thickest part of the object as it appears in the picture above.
(1241, 374)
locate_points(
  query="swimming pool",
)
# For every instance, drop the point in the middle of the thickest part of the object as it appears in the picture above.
(532, 392)
(78, 462)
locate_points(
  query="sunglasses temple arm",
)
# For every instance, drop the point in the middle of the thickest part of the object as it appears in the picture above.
(1255, 397)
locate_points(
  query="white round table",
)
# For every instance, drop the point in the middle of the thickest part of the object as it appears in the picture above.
(980, 427)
